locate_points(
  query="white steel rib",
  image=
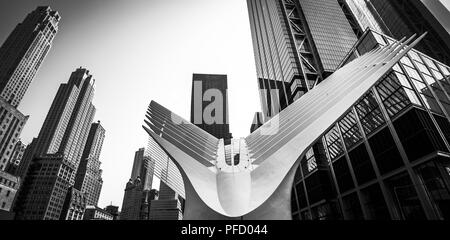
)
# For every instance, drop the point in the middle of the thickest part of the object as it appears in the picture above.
(237, 180)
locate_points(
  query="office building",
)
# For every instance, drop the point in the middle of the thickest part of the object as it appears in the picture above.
(387, 157)
(21, 56)
(89, 175)
(209, 104)
(9, 186)
(26, 159)
(58, 150)
(96, 213)
(113, 210)
(168, 206)
(140, 183)
(16, 157)
(297, 44)
(404, 18)
(74, 205)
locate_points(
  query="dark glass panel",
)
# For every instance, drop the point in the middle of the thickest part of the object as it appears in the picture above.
(418, 134)
(352, 207)
(373, 202)
(362, 166)
(405, 197)
(343, 176)
(385, 151)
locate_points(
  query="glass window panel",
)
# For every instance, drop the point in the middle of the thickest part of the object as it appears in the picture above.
(444, 69)
(335, 147)
(421, 87)
(423, 69)
(403, 80)
(431, 103)
(406, 61)
(413, 97)
(397, 68)
(412, 73)
(413, 54)
(437, 74)
(429, 80)
(429, 62)
(369, 114)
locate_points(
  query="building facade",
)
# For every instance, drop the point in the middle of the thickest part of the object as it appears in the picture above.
(21, 56)
(404, 18)
(96, 213)
(388, 157)
(89, 175)
(9, 186)
(297, 43)
(57, 152)
(74, 205)
(113, 210)
(168, 205)
(136, 191)
(206, 90)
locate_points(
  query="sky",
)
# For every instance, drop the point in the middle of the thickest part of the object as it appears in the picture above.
(138, 51)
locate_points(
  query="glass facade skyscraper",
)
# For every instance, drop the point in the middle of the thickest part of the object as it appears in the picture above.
(402, 18)
(388, 157)
(297, 42)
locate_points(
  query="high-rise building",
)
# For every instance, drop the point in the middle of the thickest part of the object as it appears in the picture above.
(21, 56)
(58, 149)
(210, 99)
(137, 187)
(404, 18)
(387, 157)
(74, 205)
(168, 206)
(9, 186)
(297, 43)
(12, 122)
(89, 175)
(23, 52)
(16, 157)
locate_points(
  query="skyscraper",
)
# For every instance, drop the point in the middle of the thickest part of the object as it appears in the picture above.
(58, 150)
(89, 175)
(168, 206)
(21, 56)
(297, 43)
(137, 187)
(23, 52)
(209, 93)
(405, 17)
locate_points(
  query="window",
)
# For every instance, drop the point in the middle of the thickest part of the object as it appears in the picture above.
(373, 201)
(350, 130)
(335, 147)
(343, 176)
(369, 113)
(3, 205)
(385, 151)
(418, 134)
(362, 166)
